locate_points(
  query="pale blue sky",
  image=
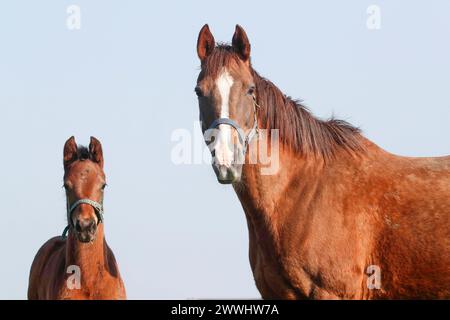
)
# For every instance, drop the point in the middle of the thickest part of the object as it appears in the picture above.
(127, 77)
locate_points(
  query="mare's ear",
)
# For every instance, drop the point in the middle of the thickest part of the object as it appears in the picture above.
(241, 44)
(205, 43)
(70, 151)
(95, 149)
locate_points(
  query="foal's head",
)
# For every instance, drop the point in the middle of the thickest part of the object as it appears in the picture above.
(225, 90)
(84, 181)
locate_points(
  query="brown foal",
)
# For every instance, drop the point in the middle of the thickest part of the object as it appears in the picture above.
(340, 218)
(81, 266)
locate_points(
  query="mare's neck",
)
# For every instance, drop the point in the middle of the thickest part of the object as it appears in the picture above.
(308, 150)
(268, 198)
(274, 202)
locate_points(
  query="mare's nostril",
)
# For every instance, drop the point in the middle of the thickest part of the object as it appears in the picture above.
(77, 226)
(223, 170)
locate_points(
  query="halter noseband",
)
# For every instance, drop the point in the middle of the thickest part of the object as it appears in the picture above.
(98, 208)
(244, 139)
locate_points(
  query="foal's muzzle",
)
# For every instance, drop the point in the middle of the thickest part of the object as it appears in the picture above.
(86, 229)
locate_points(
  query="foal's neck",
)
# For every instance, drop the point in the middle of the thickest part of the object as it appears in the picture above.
(90, 257)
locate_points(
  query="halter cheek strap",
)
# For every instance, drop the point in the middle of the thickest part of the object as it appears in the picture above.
(98, 207)
(244, 139)
(232, 123)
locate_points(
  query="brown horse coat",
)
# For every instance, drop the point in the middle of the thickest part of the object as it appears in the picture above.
(340, 218)
(316, 227)
(49, 272)
(85, 248)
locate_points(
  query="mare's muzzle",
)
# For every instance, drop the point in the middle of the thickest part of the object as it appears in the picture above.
(229, 173)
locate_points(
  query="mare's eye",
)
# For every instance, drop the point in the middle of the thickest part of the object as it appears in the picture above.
(198, 91)
(251, 90)
(104, 186)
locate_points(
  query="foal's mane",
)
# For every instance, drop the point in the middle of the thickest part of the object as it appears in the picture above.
(298, 128)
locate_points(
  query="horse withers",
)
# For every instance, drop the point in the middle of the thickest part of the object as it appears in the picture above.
(80, 265)
(339, 217)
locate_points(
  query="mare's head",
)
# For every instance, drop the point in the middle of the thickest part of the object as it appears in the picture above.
(226, 92)
(84, 181)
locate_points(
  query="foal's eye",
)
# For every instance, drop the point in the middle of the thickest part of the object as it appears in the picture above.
(251, 90)
(104, 186)
(198, 91)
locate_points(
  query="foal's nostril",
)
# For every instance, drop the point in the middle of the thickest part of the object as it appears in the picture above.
(92, 226)
(85, 225)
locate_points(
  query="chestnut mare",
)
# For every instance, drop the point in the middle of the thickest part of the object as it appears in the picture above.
(341, 218)
(84, 250)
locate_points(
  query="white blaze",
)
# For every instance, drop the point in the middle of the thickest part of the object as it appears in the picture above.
(223, 147)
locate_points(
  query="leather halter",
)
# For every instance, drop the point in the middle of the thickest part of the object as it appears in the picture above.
(98, 208)
(244, 139)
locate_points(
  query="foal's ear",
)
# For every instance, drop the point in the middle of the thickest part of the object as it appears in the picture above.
(205, 43)
(70, 151)
(95, 149)
(241, 44)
